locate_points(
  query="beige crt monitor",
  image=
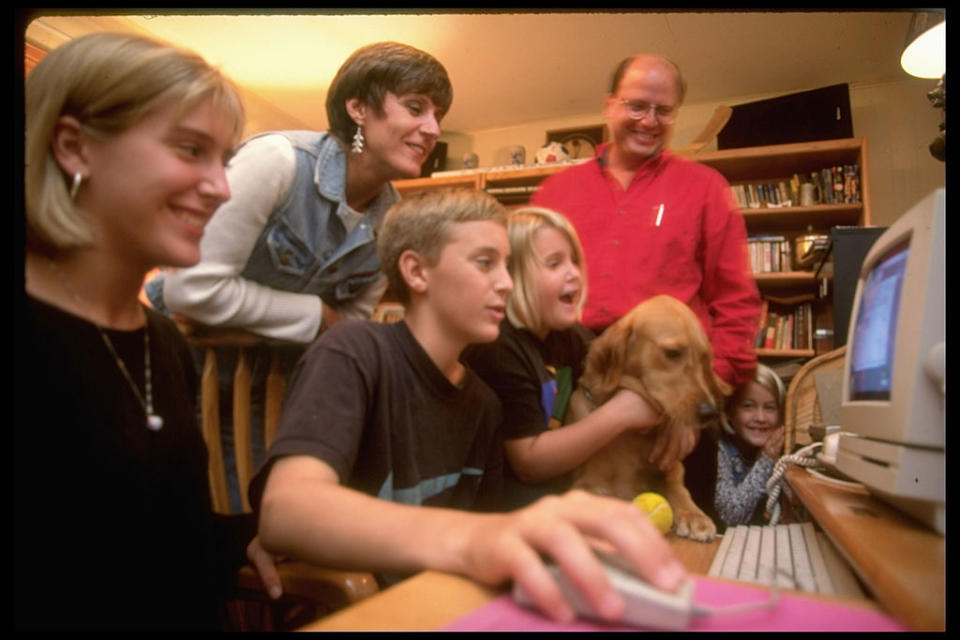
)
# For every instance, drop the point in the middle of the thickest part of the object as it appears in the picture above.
(894, 385)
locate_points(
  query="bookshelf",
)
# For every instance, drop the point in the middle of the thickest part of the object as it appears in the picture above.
(793, 288)
(781, 289)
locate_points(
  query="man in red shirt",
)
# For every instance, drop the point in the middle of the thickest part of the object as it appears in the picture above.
(651, 222)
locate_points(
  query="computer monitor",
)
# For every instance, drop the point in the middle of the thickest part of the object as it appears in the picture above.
(892, 404)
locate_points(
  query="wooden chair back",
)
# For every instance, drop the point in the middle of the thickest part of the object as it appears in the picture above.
(309, 591)
(209, 340)
(804, 406)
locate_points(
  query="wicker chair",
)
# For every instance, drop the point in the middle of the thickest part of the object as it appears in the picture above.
(804, 406)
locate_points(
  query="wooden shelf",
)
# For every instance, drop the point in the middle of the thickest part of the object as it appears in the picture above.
(469, 181)
(786, 279)
(820, 217)
(786, 353)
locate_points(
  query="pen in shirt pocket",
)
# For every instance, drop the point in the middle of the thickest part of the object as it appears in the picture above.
(659, 214)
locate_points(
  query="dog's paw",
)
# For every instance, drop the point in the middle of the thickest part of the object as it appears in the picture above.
(695, 525)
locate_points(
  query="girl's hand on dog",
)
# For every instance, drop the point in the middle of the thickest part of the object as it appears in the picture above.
(632, 411)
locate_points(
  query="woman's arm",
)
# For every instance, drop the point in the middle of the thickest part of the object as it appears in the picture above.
(212, 292)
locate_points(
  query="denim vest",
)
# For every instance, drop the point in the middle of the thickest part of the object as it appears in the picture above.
(305, 247)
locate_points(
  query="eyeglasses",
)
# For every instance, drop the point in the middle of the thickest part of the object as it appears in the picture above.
(638, 110)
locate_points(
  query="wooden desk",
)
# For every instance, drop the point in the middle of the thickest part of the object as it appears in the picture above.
(901, 562)
(431, 600)
(898, 560)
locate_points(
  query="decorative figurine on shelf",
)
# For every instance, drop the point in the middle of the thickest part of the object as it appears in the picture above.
(518, 155)
(552, 152)
(470, 160)
(938, 98)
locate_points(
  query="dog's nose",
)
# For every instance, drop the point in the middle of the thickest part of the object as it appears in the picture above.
(707, 412)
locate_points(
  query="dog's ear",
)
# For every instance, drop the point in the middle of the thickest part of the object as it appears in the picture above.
(705, 349)
(606, 357)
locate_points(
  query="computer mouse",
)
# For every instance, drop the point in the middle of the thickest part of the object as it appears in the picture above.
(646, 605)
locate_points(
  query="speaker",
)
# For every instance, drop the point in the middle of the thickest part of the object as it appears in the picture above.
(820, 114)
(850, 247)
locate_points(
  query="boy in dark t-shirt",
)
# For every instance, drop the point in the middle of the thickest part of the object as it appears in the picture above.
(386, 436)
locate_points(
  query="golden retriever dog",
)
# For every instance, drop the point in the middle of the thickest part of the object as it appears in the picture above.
(659, 351)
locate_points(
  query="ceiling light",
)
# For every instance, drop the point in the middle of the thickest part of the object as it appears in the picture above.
(925, 54)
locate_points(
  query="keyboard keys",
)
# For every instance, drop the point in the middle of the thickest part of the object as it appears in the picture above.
(751, 556)
(767, 562)
(818, 564)
(802, 571)
(792, 555)
(784, 558)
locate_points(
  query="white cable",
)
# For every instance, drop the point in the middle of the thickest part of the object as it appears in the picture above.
(804, 458)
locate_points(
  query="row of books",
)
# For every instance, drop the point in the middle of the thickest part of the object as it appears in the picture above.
(787, 328)
(837, 185)
(765, 195)
(831, 185)
(769, 253)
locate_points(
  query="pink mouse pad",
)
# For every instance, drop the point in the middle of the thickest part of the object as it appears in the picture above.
(792, 613)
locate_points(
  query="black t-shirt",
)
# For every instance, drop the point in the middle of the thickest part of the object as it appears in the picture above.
(367, 400)
(533, 380)
(113, 522)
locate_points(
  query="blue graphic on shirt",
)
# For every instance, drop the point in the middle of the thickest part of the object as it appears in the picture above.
(548, 396)
(555, 394)
(426, 489)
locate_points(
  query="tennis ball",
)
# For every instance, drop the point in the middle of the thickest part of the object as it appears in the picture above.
(657, 508)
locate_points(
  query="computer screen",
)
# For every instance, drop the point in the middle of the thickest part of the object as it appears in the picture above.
(893, 398)
(875, 329)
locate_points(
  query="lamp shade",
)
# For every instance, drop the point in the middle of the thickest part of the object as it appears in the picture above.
(925, 53)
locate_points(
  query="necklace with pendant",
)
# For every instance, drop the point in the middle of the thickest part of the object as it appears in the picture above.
(154, 422)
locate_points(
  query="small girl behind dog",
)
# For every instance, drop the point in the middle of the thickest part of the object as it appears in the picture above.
(535, 363)
(731, 469)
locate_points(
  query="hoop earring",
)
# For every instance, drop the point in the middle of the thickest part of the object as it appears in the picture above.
(77, 179)
(357, 141)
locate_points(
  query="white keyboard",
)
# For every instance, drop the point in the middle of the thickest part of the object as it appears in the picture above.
(794, 556)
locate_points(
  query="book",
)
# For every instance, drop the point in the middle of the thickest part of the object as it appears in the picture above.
(762, 323)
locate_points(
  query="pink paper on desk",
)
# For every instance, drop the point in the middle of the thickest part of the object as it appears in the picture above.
(792, 613)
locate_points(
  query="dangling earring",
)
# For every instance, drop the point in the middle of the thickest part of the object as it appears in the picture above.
(357, 141)
(77, 179)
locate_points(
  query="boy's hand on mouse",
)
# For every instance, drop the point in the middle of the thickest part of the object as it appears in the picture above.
(501, 547)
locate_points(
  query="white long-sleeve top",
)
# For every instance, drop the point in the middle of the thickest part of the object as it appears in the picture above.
(213, 292)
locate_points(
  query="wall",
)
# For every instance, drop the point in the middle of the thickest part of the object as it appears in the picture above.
(895, 117)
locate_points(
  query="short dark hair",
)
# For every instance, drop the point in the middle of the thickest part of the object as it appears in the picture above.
(375, 69)
(621, 70)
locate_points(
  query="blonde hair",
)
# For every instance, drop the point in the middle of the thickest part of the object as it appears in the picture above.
(523, 303)
(421, 223)
(769, 380)
(108, 82)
